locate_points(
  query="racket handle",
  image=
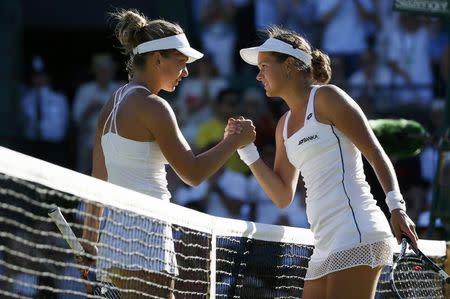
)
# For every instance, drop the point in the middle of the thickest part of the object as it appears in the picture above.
(66, 231)
(445, 276)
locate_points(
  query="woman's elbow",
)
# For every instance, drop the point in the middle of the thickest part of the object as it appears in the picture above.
(283, 202)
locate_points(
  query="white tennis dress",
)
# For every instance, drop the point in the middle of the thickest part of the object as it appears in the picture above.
(349, 228)
(129, 241)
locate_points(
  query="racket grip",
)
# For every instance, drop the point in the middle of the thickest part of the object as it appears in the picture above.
(56, 215)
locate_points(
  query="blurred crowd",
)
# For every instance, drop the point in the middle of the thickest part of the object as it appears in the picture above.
(393, 64)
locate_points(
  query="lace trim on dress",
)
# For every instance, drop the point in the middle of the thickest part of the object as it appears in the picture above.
(373, 255)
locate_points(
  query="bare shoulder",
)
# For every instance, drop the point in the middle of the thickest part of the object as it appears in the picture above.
(329, 100)
(330, 92)
(281, 121)
(280, 126)
(149, 106)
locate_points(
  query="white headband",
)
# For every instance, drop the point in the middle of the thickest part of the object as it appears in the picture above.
(178, 42)
(250, 55)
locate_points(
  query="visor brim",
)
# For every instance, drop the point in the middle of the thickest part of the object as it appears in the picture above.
(191, 53)
(250, 55)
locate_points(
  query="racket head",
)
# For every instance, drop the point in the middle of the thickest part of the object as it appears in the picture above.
(412, 277)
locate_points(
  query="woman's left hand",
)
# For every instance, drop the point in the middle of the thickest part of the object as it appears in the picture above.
(233, 127)
(402, 224)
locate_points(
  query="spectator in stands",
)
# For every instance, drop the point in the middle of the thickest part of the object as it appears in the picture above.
(197, 95)
(344, 33)
(89, 99)
(372, 79)
(210, 132)
(255, 107)
(218, 33)
(45, 114)
(410, 61)
(300, 16)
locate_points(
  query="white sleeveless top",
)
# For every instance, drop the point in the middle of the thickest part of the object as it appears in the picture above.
(340, 208)
(135, 165)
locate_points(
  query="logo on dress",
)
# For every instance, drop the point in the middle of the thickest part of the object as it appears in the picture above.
(309, 116)
(306, 139)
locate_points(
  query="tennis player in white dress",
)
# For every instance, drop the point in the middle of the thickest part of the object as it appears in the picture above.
(137, 134)
(322, 136)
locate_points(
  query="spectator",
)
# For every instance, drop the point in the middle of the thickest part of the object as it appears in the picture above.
(372, 79)
(46, 117)
(197, 95)
(89, 99)
(255, 108)
(300, 16)
(211, 131)
(227, 196)
(410, 61)
(219, 35)
(343, 33)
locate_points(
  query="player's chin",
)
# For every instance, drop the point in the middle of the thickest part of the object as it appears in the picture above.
(269, 93)
(170, 88)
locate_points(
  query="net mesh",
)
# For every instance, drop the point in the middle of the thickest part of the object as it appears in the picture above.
(147, 248)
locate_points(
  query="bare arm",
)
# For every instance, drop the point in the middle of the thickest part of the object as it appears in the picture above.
(365, 14)
(191, 168)
(281, 182)
(94, 211)
(327, 16)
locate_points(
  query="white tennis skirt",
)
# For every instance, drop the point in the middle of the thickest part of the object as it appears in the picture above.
(374, 254)
(134, 242)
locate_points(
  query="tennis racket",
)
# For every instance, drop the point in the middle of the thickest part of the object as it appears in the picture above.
(415, 275)
(100, 288)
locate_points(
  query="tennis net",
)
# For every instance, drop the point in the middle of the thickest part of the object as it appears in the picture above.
(148, 248)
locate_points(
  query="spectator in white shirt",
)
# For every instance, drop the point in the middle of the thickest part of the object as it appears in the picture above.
(45, 115)
(89, 99)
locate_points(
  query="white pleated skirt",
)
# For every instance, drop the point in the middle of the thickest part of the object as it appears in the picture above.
(135, 242)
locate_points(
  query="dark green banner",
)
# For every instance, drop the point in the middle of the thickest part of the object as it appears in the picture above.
(424, 7)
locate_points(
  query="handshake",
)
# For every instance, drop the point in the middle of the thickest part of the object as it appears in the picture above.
(243, 131)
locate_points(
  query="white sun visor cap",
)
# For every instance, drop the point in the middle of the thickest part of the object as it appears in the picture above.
(250, 55)
(178, 42)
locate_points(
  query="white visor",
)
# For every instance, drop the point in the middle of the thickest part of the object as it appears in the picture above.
(250, 55)
(178, 42)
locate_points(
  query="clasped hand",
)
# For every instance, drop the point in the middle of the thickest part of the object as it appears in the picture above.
(240, 128)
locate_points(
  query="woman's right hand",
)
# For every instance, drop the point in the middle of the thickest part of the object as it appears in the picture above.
(87, 261)
(244, 131)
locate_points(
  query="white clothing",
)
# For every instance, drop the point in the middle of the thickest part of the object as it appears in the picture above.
(54, 115)
(343, 214)
(344, 34)
(89, 97)
(410, 50)
(127, 242)
(267, 212)
(377, 86)
(234, 185)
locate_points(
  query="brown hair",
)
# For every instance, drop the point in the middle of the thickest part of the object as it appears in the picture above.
(133, 28)
(320, 69)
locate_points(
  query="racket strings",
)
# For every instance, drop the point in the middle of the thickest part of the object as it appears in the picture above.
(415, 279)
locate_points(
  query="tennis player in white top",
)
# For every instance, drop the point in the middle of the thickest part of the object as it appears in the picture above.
(322, 136)
(137, 134)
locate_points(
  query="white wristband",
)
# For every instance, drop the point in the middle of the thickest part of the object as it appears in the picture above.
(394, 200)
(249, 154)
